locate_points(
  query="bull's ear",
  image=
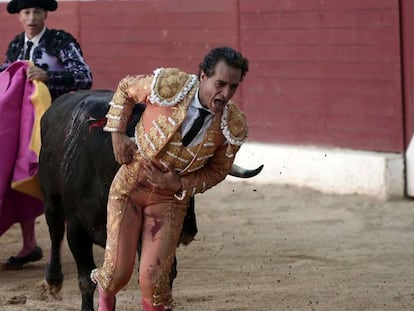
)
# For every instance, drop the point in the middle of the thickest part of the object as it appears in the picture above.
(238, 171)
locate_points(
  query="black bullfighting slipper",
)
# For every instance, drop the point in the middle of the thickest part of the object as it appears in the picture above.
(16, 263)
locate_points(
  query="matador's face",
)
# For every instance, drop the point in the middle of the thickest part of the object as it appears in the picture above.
(217, 90)
(32, 20)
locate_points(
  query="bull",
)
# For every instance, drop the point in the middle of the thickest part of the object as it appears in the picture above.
(76, 168)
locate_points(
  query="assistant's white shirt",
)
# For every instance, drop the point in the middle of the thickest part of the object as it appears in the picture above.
(35, 41)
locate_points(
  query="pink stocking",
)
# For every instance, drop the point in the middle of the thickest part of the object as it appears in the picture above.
(106, 300)
(29, 237)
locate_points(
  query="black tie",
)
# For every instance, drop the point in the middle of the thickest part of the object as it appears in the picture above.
(195, 128)
(28, 48)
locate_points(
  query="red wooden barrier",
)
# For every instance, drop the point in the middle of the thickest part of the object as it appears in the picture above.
(322, 72)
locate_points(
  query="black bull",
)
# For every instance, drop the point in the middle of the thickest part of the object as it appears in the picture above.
(76, 167)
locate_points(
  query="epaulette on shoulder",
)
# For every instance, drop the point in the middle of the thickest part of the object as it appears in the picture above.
(57, 40)
(15, 46)
(170, 85)
(234, 124)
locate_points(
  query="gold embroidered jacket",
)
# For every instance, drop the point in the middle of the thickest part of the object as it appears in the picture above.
(167, 94)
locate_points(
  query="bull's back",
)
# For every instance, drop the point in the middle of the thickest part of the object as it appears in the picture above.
(63, 128)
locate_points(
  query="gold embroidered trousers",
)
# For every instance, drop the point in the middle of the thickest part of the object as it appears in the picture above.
(138, 214)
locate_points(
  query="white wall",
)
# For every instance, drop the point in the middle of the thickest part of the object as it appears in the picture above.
(339, 171)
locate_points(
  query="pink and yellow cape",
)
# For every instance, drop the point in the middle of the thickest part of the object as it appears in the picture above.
(22, 103)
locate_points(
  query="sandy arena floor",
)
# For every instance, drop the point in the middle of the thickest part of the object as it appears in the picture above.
(262, 247)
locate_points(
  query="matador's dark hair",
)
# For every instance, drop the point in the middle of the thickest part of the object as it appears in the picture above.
(229, 55)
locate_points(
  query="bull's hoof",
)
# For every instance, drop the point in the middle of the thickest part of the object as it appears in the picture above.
(49, 292)
(16, 263)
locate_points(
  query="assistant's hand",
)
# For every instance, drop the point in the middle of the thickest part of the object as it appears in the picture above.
(123, 148)
(162, 177)
(37, 73)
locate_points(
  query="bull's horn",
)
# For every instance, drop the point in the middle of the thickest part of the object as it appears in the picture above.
(238, 171)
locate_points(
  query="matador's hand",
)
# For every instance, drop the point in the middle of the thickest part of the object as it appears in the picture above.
(37, 73)
(123, 148)
(162, 177)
